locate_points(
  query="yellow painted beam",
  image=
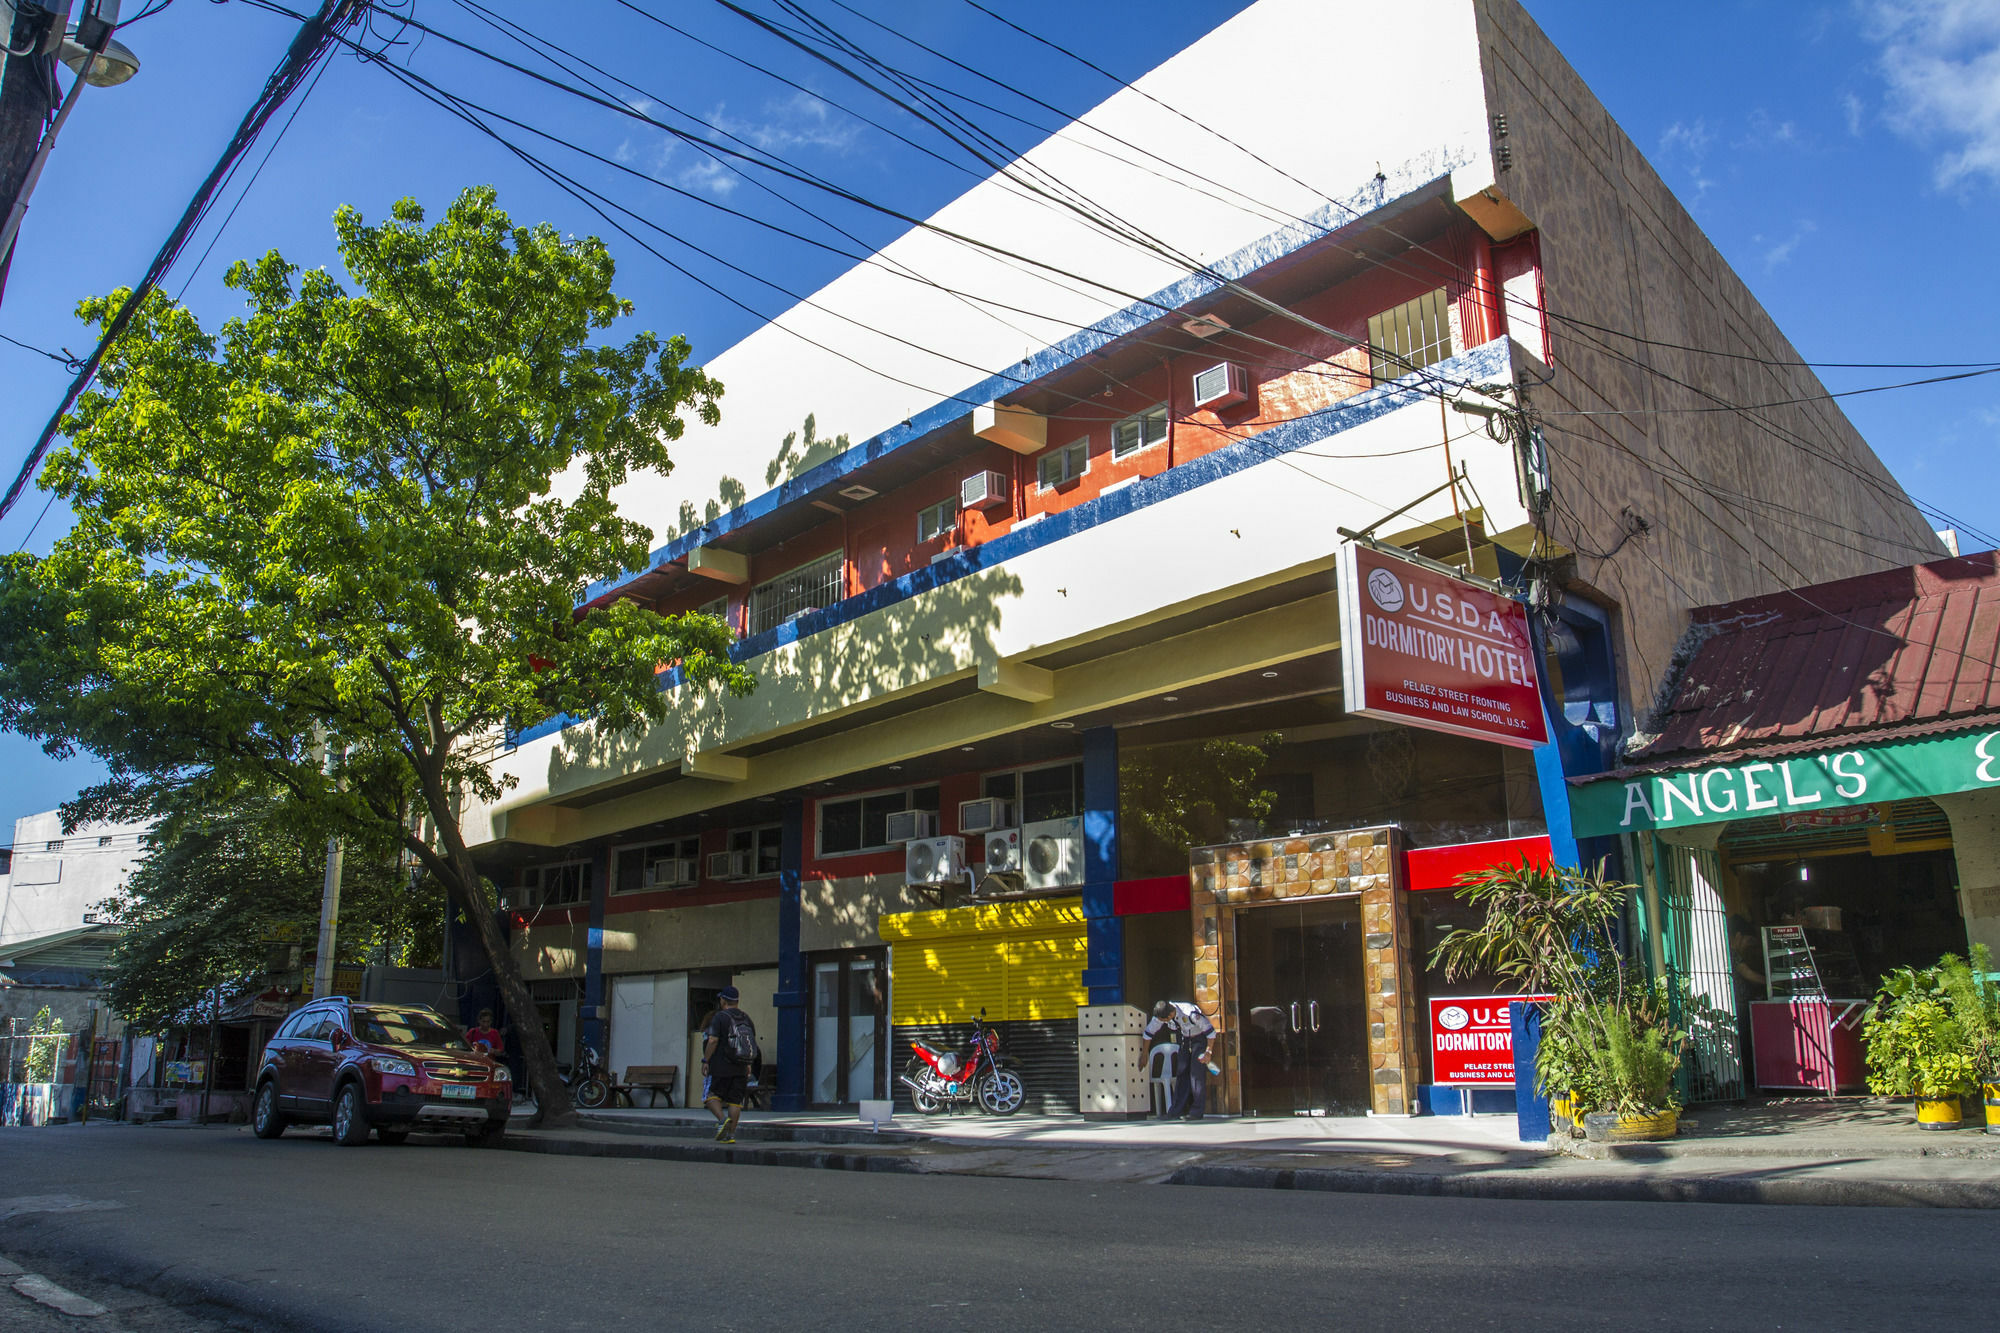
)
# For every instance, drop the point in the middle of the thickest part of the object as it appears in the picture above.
(1017, 680)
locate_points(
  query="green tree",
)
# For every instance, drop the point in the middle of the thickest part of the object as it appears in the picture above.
(226, 876)
(326, 549)
(41, 1064)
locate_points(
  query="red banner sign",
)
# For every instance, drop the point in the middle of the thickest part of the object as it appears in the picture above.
(1472, 1040)
(1429, 650)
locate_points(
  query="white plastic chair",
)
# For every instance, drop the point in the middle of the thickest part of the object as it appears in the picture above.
(1160, 1078)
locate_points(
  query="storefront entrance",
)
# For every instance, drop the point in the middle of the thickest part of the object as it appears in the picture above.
(850, 1029)
(1301, 995)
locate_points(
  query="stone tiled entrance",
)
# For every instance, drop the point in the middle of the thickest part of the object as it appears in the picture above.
(1229, 879)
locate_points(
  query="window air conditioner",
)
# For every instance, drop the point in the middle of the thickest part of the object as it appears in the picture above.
(905, 825)
(983, 490)
(1221, 385)
(721, 865)
(986, 813)
(687, 870)
(934, 861)
(1052, 853)
(1003, 851)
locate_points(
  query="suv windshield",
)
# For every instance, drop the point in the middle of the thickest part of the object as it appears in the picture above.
(405, 1027)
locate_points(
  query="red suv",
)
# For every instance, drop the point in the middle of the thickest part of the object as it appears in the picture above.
(387, 1067)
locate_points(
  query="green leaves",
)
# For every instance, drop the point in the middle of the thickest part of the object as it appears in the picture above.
(361, 516)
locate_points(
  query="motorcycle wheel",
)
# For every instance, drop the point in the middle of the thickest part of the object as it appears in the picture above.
(1001, 1092)
(592, 1093)
(927, 1103)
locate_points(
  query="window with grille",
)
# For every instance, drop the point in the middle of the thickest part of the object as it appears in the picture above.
(1137, 432)
(564, 884)
(937, 520)
(673, 864)
(861, 823)
(810, 587)
(763, 848)
(1064, 465)
(1051, 791)
(1409, 337)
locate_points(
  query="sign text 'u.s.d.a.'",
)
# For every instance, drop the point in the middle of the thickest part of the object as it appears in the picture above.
(1889, 771)
(1425, 649)
(1472, 1039)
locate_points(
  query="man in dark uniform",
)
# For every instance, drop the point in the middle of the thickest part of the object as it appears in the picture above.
(1190, 1028)
(726, 1077)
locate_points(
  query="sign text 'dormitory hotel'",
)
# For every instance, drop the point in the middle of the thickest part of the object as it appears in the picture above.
(1428, 650)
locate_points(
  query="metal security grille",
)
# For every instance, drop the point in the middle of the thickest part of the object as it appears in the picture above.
(1409, 337)
(1698, 957)
(809, 587)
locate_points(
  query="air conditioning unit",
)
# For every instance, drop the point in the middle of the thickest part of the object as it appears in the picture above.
(1052, 853)
(1003, 851)
(905, 825)
(934, 861)
(1221, 385)
(732, 865)
(986, 813)
(687, 870)
(673, 872)
(983, 490)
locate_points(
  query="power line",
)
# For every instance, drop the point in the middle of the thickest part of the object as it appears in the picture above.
(307, 46)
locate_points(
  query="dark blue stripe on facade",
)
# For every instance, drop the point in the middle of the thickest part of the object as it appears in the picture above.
(1477, 365)
(1372, 203)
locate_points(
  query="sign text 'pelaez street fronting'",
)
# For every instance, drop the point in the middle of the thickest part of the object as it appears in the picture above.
(1425, 649)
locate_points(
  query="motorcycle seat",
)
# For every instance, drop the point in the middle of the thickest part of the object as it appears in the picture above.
(932, 1048)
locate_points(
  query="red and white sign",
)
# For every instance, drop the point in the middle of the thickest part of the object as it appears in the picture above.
(1429, 650)
(1472, 1040)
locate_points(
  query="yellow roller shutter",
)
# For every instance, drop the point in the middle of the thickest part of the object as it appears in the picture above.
(1017, 960)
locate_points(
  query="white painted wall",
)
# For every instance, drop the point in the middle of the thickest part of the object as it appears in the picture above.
(1168, 557)
(49, 891)
(649, 1024)
(1328, 91)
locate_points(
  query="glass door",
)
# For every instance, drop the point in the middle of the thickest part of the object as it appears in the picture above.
(849, 1032)
(1304, 1013)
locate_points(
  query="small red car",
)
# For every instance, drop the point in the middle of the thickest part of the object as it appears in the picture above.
(391, 1068)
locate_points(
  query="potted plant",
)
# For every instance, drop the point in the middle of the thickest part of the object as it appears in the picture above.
(1605, 1049)
(1972, 989)
(1918, 1046)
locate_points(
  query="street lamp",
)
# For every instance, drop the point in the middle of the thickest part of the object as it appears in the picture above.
(99, 62)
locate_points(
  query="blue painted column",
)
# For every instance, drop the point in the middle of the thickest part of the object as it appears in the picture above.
(1549, 776)
(591, 1028)
(1104, 932)
(791, 996)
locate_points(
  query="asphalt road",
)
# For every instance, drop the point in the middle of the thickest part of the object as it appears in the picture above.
(300, 1233)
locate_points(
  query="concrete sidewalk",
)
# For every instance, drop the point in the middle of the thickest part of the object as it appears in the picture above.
(1857, 1156)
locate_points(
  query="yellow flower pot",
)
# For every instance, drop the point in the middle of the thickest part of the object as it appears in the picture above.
(1606, 1128)
(1938, 1113)
(1992, 1091)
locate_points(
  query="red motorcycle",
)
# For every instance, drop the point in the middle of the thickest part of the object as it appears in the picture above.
(939, 1077)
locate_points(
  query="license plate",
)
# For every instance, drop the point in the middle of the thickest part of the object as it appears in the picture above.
(465, 1090)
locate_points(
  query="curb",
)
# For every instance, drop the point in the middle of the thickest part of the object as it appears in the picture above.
(1540, 1186)
(1602, 1189)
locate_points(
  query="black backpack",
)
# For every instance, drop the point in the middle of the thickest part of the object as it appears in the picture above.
(742, 1044)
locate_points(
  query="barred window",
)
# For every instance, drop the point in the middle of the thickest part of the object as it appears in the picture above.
(936, 520)
(809, 587)
(1064, 465)
(1409, 337)
(1137, 432)
(564, 884)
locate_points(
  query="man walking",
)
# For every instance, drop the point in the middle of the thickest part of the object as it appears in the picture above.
(728, 1054)
(1190, 1028)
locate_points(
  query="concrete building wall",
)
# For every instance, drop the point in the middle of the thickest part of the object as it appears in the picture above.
(1975, 839)
(1785, 497)
(58, 876)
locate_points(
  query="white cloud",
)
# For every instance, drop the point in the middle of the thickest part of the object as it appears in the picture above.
(1856, 111)
(1777, 253)
(711, 175)
(1941, 62)
(1686, 145)
(798, 121)
(1767, 133)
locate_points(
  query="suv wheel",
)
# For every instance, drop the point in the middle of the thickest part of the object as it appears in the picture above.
(266, 1120)
(350, 1117)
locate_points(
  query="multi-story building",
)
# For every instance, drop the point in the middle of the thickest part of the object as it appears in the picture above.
(54, 938)
(1088, 593)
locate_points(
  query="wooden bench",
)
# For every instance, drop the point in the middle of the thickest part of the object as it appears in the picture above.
(653, 1079)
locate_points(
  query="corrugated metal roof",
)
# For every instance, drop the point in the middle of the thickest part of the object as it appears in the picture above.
(1904, 648)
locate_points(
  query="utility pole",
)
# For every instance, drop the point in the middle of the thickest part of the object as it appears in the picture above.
(329, 920)
(26, 85)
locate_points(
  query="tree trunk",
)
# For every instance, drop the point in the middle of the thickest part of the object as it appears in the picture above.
(552, 1100)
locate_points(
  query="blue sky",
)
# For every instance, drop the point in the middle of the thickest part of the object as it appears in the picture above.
(1844, 157)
